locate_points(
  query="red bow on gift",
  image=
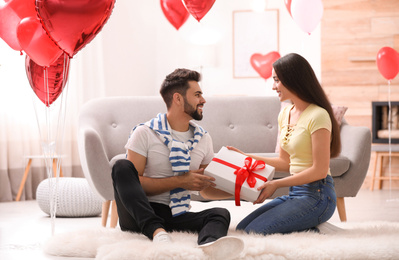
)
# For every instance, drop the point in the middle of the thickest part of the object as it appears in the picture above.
(245, 173)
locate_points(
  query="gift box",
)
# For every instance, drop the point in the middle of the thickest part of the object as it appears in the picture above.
(238, 174)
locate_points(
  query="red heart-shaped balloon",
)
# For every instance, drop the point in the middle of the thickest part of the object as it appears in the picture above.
(263, 64)
(48, 82)
(11, 13)
(175, 12)
(198, 8)
(73, 24)
(36, 43)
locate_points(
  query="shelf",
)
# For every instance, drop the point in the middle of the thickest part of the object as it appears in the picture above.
(362, 59)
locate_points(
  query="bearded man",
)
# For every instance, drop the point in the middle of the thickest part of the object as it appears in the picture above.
(165, 162)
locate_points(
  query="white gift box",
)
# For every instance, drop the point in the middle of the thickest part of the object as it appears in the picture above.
(223, 168)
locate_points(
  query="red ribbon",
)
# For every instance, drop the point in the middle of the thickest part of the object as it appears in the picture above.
(244, 173)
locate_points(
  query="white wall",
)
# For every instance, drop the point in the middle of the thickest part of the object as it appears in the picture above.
(141, 47)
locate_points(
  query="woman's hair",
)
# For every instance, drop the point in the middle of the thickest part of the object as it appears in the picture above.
(296, 74)
(177, 81)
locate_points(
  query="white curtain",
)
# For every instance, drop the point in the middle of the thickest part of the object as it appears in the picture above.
(19, 129)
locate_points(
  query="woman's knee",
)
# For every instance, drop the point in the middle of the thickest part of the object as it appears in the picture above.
(240, 226)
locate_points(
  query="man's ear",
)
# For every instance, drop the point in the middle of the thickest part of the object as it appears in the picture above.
(178, 98)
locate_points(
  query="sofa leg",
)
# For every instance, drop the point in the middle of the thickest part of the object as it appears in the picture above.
(114, 215)
(104, 213)
(341, 209)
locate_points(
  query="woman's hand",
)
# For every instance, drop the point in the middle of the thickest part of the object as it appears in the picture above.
(268, 189)
(235, 149)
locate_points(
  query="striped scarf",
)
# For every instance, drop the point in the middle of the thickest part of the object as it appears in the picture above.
(179, 158)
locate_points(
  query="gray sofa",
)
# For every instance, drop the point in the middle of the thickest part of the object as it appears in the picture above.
(248, 123)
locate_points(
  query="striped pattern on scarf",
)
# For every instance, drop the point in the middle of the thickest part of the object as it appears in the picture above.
(179, 158)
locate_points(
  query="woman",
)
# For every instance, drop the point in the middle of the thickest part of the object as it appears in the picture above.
(309, 137)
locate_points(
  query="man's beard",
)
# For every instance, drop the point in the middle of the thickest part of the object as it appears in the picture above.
(192, 111)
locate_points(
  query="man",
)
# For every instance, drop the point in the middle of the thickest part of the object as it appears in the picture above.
(166, 157)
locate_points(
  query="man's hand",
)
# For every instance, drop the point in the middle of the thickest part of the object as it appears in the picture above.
(196, 180)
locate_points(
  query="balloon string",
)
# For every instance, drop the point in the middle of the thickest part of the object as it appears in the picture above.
(37, 117)
(45, 146)
(47, 103)
(49, 156)
(390, 138)
(62, 111)
(59, 134)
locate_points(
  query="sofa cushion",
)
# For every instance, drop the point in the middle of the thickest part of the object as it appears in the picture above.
(116, 158)
(339, 112)
(339, 165)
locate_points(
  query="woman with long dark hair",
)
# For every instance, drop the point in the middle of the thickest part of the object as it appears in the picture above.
(309, 137)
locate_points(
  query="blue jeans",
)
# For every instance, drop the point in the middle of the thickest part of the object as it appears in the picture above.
(304, 208)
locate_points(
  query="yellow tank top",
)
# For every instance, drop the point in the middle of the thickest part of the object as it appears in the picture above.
(296, 139)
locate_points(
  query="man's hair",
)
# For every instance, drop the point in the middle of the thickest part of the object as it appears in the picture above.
(177, 82)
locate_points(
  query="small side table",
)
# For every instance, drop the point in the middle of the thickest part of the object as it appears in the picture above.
(27, 168)
(382, 151)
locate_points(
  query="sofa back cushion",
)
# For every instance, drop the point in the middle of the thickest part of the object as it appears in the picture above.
(249, 123)
(114, 117)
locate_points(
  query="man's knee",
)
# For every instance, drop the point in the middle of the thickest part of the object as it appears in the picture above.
(221, 213)
(122, 167)
(122, 164)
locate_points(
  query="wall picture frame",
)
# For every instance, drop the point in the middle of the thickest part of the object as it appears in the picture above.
(253, 32)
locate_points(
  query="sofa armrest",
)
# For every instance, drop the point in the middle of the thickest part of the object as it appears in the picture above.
(356, 146)
(95, 162)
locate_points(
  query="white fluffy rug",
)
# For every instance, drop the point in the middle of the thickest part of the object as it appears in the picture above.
(367, 240)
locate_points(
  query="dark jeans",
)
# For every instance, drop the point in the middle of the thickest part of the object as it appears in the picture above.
(137, 214)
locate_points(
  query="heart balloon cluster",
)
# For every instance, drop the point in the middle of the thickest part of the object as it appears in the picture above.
(178, 11)
(46, 30)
